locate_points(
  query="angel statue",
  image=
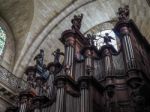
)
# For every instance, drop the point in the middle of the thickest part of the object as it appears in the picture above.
(107, 38)
(39, 58)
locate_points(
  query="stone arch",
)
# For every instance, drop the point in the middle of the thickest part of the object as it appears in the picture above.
(8, 56)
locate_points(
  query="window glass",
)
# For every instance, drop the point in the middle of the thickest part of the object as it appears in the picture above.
(2, 40)
(100, 41)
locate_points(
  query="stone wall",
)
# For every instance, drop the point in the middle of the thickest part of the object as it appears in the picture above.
(3, 105)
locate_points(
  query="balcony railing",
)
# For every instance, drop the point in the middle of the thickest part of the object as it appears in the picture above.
(10, 81)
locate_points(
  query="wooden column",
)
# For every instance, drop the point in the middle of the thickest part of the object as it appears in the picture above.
(68, 38)
(50, 86)
(85, 101)
(88, 63)
(60, 84)
(25, 101)
(84, 81)
(132, 71)
(109, 76)
(51, 89)
(133, 75)
(38, 99)
(27, 95)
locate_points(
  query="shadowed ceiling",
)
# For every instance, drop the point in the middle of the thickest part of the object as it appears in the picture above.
(38, 24)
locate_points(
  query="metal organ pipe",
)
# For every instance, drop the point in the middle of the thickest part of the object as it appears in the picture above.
(50, 90)
(133, 76)
(69, 54)
(23, 102)
(128, 49)
(88, 63)
(108, 62)
(60, 100)
(84, 87)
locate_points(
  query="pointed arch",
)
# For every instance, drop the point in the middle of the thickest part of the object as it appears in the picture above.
(7, 46)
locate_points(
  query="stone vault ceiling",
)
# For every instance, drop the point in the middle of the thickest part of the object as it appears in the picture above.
(18, 15)
(39, 23)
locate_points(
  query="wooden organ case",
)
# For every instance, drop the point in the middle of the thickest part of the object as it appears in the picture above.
(92, 79)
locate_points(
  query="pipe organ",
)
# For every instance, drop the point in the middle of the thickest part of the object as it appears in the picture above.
(91, 79)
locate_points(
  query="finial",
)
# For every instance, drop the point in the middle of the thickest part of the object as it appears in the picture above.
(123, 13)
(76, 22)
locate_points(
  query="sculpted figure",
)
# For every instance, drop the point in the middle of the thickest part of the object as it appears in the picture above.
(57, 55)
(123, 13)
(91, 39)
(39, 58)
(107, 38)
(76, 22)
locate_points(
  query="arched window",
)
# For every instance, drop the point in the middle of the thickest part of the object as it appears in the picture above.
(2, 40)
(100, 30)
(100, 40)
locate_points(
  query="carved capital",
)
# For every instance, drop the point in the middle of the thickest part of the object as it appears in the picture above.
(84, 82)
(134, 80)
(124, 30)
(84, 85)
(60, 81)
(106, 52)
(70, 41)
(40, 102)
(25, 96)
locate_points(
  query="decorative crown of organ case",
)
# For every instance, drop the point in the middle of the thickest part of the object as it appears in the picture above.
(91, 79)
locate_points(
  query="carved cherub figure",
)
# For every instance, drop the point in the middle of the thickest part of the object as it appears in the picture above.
(57, 55)
(107, 38)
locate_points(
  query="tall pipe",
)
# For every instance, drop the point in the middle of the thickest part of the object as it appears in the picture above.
(69, 55)
(60, 84)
